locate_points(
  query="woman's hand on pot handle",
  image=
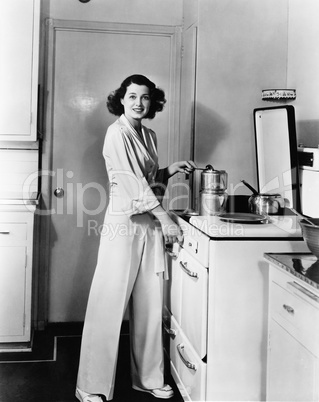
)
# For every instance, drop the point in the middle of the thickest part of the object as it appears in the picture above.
(186, 167)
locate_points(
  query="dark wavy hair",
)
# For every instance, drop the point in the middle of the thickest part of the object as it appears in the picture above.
(157, 96)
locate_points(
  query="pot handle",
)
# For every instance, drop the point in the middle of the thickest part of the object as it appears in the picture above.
(283, 203)
(286, 203)
(252, 189)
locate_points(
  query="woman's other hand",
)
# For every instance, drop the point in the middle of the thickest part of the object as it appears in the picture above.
(186, 167)
(171, 231)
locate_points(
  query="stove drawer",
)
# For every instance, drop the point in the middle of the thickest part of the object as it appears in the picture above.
(190, 368)
(194, 302)
(196, 243)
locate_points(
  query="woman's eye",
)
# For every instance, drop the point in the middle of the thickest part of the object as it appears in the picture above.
(147, 98)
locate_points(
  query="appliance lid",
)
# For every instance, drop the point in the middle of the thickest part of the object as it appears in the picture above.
(276, 153)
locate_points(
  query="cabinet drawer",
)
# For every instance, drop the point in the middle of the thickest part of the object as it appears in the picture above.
(194, 302)
(13, 293)
(13, 233)
(298, 316)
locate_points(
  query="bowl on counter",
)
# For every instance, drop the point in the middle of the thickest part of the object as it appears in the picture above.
(310, 234)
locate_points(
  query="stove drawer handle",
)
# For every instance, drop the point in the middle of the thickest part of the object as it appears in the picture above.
(191, 366)
(289, 309)
(5, 232)
(190, 273)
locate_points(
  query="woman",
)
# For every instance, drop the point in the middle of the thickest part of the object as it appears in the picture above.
(131, 260)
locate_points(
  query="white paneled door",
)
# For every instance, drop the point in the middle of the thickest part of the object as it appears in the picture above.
(86, 61)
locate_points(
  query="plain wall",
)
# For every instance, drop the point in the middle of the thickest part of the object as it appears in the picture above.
(303, 67)
(242, 49)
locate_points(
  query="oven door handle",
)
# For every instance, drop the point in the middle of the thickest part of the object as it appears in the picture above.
(187, 270)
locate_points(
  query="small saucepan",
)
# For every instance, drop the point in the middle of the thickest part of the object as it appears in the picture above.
(264, 203)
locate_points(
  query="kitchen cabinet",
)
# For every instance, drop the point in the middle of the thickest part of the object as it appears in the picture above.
(19, 60)
(16, 255)
(216, 306)
(293, 347)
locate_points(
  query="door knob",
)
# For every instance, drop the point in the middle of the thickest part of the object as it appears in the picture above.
(59, 192)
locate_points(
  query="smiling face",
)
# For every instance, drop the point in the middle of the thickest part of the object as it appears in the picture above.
(136, 103)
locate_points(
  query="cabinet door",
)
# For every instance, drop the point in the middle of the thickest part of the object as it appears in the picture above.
(292, 369)
(75, 110)
(12, 294)
(19, 47)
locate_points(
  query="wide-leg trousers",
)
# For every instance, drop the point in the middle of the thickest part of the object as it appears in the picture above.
(124, 274)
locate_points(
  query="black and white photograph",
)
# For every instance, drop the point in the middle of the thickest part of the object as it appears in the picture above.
(159, 200)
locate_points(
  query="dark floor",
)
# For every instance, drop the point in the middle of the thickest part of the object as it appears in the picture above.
(48, 373)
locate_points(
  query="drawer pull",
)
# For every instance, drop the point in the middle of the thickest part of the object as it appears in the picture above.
(188, 271)
(171, 332)
(5, 232)
(289, 309)
(170, 252)
(191, 366)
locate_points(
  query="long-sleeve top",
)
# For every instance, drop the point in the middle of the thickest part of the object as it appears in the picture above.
(136, 182)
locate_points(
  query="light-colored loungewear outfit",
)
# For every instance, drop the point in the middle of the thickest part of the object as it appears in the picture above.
(130, 267)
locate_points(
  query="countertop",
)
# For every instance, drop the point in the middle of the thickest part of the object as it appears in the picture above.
(15, 204)
(16, 199)
(304, 266)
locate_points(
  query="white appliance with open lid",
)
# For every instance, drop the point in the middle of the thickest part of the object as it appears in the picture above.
(277, 153)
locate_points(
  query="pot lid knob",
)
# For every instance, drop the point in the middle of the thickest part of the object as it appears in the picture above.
(209, 168)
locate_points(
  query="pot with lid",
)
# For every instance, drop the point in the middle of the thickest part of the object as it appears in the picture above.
(270, 204)
(265, 203)
(214, 180)
(213, 195)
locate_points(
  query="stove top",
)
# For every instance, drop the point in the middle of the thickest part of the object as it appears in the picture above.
(275, 227)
